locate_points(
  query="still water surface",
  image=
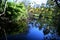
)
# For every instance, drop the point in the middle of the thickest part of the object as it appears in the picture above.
(34, 34)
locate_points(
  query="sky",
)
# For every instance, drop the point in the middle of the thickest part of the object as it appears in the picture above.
(35, 2)
(39, 1)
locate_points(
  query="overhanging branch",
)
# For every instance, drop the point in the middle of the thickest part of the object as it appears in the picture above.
(57, 3)
(4, 8)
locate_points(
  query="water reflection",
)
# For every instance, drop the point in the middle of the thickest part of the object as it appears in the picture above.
(36, 34)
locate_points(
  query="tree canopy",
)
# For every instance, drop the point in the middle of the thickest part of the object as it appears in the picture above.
(14, 19)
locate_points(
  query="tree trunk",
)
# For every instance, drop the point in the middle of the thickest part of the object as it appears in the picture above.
(5, 34)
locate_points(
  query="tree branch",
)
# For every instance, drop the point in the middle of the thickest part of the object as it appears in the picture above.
(4, 8)
(57, 3)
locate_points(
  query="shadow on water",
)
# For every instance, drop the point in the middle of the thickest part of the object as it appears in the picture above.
(34, 34)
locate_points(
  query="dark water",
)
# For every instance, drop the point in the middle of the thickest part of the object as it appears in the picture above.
(34, 34)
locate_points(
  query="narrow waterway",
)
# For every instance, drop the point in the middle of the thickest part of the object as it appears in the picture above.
(34, 33)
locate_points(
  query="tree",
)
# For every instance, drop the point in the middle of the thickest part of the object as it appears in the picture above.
(57, 2)
(5, 3)
(56, 13)
(14, 19)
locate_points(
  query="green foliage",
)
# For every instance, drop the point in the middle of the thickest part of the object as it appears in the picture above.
(17, 11)
(54, 17)
(14, 19)
(46, 13)
(1, 6)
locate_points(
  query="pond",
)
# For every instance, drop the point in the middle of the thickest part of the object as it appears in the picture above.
(34, 33)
